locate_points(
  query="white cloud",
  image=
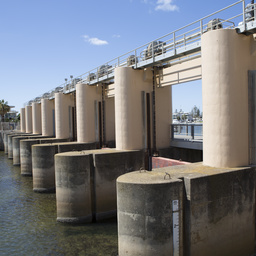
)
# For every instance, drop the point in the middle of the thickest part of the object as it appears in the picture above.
(166, 5)
(116, 36)
(94, 40)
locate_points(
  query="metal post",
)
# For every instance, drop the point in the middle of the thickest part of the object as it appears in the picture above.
(103, 117)
(244, 14)
(135, 59)
(174, 43)
(172, 131)
(201, 26)
(192, 131)
(149, 157)
(155, 153)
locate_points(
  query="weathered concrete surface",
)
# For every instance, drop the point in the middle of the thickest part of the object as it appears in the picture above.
(108, 167)
(10, 143)
(145, 213)
(26, 153)
(43, 162)
(1, 141)
(183, 154)
(219, 209)
(16, 145)
(5, 138)
(73, 192)
(86, 182)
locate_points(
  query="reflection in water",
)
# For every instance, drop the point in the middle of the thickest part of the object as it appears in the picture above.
(29, 227)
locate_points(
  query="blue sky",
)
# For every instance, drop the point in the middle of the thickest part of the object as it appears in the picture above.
(42, 42)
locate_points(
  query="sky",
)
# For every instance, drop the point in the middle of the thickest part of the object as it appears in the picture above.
(42, 42)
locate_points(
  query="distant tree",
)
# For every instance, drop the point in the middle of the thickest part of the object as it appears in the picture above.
(4, 108)
(195, 112)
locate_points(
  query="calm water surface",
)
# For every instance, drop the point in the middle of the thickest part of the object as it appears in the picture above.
(28, 222)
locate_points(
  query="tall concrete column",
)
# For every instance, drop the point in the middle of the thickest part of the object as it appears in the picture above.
(63, 117)
(28, 118)
(22, 120)
(36, 118)
(48, 124)
(85, 109)
(131, 87)
(226, 59)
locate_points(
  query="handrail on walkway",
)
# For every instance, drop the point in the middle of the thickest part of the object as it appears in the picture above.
(163, 50)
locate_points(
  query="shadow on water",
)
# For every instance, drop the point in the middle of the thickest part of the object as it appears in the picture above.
(29, 226)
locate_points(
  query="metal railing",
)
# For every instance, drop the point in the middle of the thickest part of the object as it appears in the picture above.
(187, 131)
(168, 48)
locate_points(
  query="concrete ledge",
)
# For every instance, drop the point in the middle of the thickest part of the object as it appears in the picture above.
(198, 145)
(75, 220)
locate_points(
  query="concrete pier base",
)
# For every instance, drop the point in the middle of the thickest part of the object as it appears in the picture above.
(10, 143)
(26, 153)
(16, 145)
(5, 139)
(43, 163)
(145, 213)
(85, 182)
(217, 217)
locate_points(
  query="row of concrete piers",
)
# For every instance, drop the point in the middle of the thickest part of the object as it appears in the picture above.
(194, 209)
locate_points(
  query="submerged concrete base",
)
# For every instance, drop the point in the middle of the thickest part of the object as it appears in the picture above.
(216, 215)
(86, 182)
(26, 152)
(43, 163)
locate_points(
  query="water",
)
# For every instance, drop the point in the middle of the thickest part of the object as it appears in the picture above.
(28, 222)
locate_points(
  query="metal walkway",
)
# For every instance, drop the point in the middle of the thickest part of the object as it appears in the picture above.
(182, 43)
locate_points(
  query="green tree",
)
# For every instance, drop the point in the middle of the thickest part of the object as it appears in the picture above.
(4, 108)
(195, 112)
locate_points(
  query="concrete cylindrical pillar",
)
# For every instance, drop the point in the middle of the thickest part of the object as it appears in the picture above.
(36, 118)
(26, 156)
(6, 142)
(147, 204)
(129, 85)
(85, 109)
(48, 122)
(28, 116)
(63, 121)
(16, 148)
(22, 120)
(226, 59)
(43, 167)
(73, 195)
(10, 144)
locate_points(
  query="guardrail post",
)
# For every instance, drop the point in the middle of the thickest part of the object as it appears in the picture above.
(192, 131)
(135, 59)
(172, 131)
(244, 14)
(187, 129)
(174, 43)
(201, 26)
